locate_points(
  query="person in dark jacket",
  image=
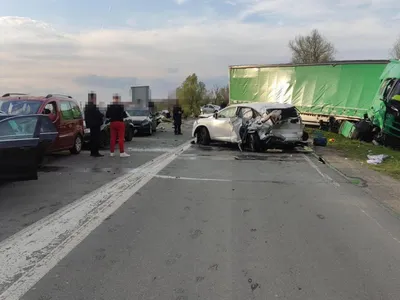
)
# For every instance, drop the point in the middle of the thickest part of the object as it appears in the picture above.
(116, 113)
(94, 119)
(177, 113)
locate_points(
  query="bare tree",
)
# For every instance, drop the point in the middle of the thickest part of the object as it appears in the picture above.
(395, 52)
(313, 48)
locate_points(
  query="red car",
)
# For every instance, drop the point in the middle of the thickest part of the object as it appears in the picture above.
(62, 110)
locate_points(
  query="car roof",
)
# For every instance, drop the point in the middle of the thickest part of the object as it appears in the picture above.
(28, 97)
(264, 105)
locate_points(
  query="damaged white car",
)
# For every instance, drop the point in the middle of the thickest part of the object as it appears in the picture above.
(253, 126)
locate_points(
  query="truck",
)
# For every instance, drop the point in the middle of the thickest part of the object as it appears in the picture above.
(339, 91)
(141, 96)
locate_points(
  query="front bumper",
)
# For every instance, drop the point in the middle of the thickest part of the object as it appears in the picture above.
(141, 127)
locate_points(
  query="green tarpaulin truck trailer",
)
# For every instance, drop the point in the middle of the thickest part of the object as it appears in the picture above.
(344, 89)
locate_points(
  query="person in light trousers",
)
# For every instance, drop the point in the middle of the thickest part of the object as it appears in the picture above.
(116, 113)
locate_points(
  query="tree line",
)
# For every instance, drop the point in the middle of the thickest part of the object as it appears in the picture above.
(305, 49)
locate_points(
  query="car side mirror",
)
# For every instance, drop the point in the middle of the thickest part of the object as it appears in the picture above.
(216, 115)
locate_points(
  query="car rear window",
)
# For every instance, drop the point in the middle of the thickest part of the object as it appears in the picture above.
(20, 106)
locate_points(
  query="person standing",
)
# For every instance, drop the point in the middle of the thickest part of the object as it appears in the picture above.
(177, 115)
(116, 112)
(93, 119)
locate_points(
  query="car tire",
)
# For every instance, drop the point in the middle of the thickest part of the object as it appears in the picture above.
(78, 142)
(129, 134)
(203, 136)
(254, 142)
(104, 140)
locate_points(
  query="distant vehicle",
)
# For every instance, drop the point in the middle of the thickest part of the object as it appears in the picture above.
(256, 125)
(24, 139)
(105, 131)
(143, 120)
(209, 109)
(62, 110)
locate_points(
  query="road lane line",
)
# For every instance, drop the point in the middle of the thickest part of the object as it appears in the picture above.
(31, 253)
(136, 149)
(192, 178)
(324, 176)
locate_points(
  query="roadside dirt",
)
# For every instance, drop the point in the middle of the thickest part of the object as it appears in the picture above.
(381, 187)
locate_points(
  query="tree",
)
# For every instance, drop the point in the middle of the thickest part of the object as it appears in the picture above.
(313, 48)
(395, 52)
(190, 95)
(221, 94)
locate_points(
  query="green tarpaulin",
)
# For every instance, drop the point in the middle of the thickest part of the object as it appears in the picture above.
(341, 89)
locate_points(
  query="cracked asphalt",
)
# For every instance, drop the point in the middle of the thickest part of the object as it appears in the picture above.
(214, 224)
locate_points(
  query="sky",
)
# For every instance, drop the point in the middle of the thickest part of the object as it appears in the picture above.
(73, 47)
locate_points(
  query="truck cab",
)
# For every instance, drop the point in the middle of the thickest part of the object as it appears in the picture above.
(385, 112)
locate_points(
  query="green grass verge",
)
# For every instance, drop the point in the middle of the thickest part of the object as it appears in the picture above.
(358, 151)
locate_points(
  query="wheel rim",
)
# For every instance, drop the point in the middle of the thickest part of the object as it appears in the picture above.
(78, 143)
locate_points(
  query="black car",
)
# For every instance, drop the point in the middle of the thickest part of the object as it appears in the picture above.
(143, 120)
(24, 140)
(105, 131)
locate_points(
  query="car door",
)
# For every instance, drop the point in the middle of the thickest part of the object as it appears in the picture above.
(48, 134)
(222, 124)
(19, 141)
(67, 122)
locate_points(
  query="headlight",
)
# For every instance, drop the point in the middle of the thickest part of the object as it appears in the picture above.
(87, 130)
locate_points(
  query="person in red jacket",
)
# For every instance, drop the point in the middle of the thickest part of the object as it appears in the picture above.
(116, 113)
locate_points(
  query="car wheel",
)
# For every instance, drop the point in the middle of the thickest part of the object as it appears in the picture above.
(254, 142)
(104, 140)
(77, 148)
(129, 135)
(203, 136)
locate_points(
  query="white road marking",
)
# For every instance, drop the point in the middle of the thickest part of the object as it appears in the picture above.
(380, 226)
(135, 149)
(192, 178)
(326, 177)
(31, 253)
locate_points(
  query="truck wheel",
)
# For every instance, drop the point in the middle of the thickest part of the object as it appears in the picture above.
(77, 147)
(202, 136)
(254, 142)
(305, 136)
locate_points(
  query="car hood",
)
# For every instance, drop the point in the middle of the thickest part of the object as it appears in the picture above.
(139, 118)
(206, 115)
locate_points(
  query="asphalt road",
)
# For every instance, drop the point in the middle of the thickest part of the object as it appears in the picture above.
(195, 223)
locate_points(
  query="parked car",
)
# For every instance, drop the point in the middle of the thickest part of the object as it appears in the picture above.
(143, 120)
(62, 110)
(105, 131)
(24, 139)
(209, 109)
(253, 125)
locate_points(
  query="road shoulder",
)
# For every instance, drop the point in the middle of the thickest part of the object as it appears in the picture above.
(383, 188)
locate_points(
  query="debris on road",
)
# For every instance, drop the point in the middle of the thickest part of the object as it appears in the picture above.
(376, 159)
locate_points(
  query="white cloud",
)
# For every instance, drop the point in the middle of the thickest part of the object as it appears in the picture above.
(36, 57)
